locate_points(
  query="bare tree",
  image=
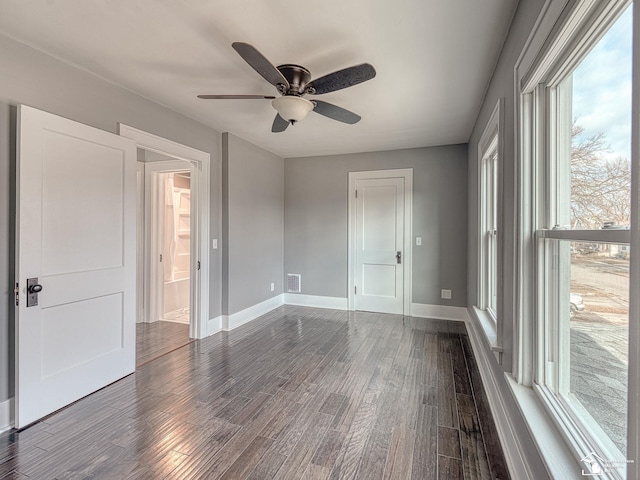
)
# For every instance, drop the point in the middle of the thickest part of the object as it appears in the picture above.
(600, 188)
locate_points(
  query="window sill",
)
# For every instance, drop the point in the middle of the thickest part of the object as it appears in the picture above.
(550, 440)
(581, 433)
(489, 328)
(554, 452)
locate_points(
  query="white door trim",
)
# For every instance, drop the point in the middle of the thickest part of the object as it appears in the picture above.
(407, 174)
(141, 282)
(200, 182)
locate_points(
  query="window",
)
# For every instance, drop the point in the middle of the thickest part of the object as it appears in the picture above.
(489, 227)
(489, 160)
(576, 119)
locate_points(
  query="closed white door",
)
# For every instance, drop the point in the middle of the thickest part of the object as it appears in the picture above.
(379, 266)
(76, 240)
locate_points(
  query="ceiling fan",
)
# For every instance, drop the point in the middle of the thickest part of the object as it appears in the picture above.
(292, 82)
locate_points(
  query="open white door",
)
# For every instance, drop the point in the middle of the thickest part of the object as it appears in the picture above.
(379, 252)
(76, 234)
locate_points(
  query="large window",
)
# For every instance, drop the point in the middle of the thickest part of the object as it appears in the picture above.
(489, 159)
(577, 116)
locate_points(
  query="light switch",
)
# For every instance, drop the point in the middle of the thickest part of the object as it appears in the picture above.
(214, 243)
(418, 241)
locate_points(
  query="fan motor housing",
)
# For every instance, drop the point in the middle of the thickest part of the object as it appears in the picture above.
(297, 77)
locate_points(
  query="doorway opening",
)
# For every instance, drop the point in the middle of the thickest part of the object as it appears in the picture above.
(165, 288)
(175, 233)
(166, 320)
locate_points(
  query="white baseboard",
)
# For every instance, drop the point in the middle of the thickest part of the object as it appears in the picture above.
(229, 322)
(440, 312)
(6, 415)
(335, 303)
(214, 325)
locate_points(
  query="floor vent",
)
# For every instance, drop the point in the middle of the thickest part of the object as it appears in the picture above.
(293, 283)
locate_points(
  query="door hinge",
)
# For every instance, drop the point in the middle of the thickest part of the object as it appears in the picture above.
(356, 193)
(17, 292)
(161, 258)
(355, 290)
(198, 265)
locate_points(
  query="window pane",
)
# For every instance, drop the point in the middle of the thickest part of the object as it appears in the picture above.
(490, 225)
(601, 131)
(599, 316)
(590, 186)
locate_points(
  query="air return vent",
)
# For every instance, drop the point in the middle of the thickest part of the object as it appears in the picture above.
(293, 282)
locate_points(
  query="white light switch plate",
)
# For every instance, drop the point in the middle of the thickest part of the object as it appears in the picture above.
(418, 241)
(214, 243)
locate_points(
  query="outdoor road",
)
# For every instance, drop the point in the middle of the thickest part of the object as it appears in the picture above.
(609, 277)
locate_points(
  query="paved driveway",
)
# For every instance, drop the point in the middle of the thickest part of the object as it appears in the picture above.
(599, 342)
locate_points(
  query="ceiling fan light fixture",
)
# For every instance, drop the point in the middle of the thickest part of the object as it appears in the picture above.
(292, 82)
(292, 108)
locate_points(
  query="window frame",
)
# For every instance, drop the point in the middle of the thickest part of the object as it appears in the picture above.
(539, 105)
(489, 280)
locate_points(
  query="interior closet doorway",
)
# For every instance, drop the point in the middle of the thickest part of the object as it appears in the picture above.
(156, 155)
(165, 231)
(172, 226)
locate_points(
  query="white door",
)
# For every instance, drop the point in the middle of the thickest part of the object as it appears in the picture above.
(379, 239)
(76, 233)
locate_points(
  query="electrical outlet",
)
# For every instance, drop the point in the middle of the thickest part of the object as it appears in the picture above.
(273, 286)
(214, 243)
(444, 293)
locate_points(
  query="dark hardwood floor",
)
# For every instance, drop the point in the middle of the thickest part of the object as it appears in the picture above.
(159, 338)
(299, 393)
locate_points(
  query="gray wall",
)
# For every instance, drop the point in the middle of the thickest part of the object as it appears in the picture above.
(35, 79)
(253, 204)
(501, 86)
(316, 220)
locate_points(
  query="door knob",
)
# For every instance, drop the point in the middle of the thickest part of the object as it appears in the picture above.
(399, 257)
(33, 288)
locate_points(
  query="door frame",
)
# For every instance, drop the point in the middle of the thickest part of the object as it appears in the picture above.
(407, 174)
(141, 307)
(200, 184)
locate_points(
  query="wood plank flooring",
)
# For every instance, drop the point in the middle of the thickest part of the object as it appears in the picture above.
(159, 338)
(299, 393)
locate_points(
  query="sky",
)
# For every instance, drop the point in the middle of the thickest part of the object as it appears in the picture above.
(602, 88)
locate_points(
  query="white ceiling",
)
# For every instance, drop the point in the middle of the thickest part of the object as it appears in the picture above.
(433, 58)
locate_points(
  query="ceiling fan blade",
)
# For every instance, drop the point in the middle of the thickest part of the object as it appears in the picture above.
(344, 78)
(336, 113)
(260, 64)
(235, 97)
(279, 124)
